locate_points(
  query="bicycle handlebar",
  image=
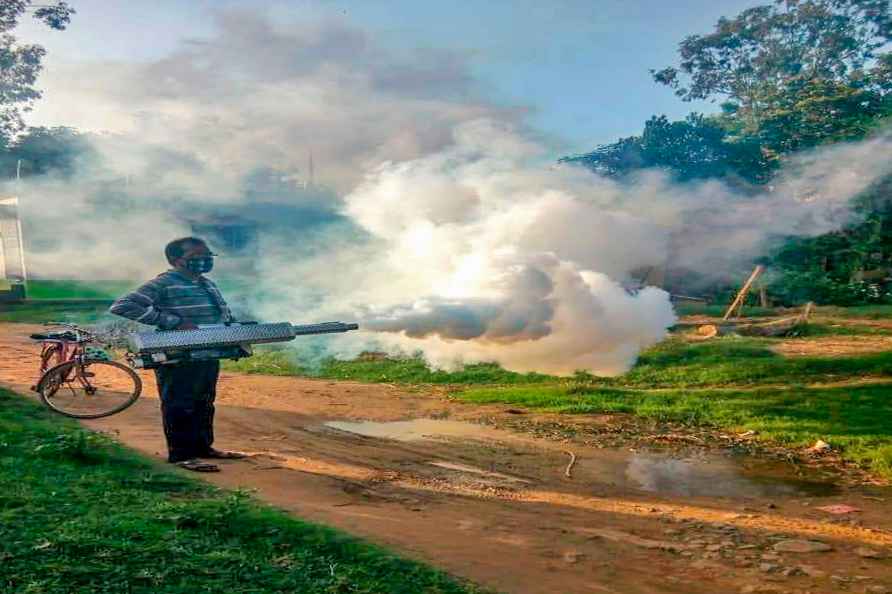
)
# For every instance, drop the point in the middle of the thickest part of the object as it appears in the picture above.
(74, 327)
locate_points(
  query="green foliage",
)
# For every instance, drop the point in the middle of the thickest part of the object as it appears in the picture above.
(755, 55)
(810, 112)
(695, 148)
(39, 151)
(21, 63)
(119, 523)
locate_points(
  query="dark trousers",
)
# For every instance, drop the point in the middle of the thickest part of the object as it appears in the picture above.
(187, 394)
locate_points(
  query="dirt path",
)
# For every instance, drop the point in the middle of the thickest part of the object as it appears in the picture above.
(496, 506)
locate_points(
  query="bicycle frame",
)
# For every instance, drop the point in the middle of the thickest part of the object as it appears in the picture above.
(67, 351)
(56, 351)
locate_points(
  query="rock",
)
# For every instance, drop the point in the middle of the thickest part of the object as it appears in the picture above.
(866, 553)
(767, 567)
(790, 571)
(812, 571)
(572, 556)
(714, 547)
(801, 546)
(839, 509)
(840, 579)
(770, 557)
(878, 590)
(820, 447)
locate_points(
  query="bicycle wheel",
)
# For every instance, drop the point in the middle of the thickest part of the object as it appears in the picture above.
(50, 357)
(89, 389)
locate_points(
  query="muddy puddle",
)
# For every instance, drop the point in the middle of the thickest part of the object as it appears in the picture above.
(416, 429)
(676, 474)
(708, 475)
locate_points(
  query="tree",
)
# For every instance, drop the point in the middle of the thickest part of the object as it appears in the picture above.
(756, 56)
(39, 150)
(694, 148)
(818, 111)
(21, 63)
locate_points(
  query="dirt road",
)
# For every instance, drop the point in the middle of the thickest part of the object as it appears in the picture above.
(495, 506)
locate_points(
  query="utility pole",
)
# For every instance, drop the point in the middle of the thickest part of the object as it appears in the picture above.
(312, 171)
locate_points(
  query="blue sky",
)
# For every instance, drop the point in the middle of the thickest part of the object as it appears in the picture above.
(580, 66)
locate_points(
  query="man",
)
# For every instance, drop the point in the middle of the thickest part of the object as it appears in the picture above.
(181, 299)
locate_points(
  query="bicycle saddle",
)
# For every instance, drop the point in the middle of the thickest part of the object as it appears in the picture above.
(65, 335)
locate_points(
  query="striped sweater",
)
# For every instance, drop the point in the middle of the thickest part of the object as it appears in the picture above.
(171, 298)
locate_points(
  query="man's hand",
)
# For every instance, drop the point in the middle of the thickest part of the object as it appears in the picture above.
(186, 325)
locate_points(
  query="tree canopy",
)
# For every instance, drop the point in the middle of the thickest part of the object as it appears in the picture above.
(697, 147)
(759, 54)
(20, 63)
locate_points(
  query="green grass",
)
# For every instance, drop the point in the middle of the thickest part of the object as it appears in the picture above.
(409, 370)
(39, 313)
(267, 361)
(79, 513)
(856, 419)
(731, 361)
(873, 312)
(688, 308)
(416, 371)
(815, 329)
(675, 363)
(73, 289)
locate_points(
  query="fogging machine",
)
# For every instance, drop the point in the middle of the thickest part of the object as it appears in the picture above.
(148, 350)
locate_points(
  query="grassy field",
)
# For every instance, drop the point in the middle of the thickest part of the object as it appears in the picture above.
(39, 313)
(412, 370)
(72, 289)
(78, 513)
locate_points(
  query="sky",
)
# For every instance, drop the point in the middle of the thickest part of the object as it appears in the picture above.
(579, 68)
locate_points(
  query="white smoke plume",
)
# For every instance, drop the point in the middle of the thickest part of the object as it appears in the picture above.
(454, 236)
(484, 254)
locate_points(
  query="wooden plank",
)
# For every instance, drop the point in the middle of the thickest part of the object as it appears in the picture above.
(744, 291)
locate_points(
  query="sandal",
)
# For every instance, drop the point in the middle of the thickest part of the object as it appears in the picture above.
(196, 465)
(223, 455)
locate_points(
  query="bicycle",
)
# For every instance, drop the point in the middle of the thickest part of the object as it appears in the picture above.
(81, 381)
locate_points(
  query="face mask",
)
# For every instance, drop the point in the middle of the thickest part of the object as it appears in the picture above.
(200, 264)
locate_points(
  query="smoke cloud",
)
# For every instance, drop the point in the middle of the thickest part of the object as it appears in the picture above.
(447, 230)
